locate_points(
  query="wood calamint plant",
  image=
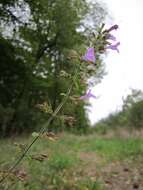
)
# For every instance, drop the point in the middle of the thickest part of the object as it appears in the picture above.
(99, 44)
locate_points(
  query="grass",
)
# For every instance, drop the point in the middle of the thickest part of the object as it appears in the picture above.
(71, 162)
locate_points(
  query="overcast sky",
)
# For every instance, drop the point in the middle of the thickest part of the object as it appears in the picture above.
(125, 70)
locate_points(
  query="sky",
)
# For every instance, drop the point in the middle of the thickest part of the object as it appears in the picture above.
(125, 70)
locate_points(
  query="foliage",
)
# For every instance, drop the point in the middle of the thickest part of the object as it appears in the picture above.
(131, 114)
(136, 115)
(135, 96)
(37, 39)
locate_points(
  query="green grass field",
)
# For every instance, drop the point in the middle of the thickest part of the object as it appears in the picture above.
(74, 162)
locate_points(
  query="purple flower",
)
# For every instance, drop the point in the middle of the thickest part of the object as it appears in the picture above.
(110, 37)
(89, 55)
(114, 47)
(114, 27)
(88, 95)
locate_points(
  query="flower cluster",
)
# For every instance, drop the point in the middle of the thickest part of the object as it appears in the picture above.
(90, 55)
(112, 38)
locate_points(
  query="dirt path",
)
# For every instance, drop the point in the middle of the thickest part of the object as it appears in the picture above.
(123, 175)
(119, 175)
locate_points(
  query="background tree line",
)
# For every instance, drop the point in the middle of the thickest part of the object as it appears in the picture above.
(131, 114)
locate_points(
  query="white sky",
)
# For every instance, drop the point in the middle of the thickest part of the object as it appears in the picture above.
(125, 70)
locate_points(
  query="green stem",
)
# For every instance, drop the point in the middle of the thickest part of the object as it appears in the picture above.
(40, 132)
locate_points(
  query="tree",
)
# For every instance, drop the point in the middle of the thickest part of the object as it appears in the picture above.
(35, 53)
(136, 114)
(133, 97)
